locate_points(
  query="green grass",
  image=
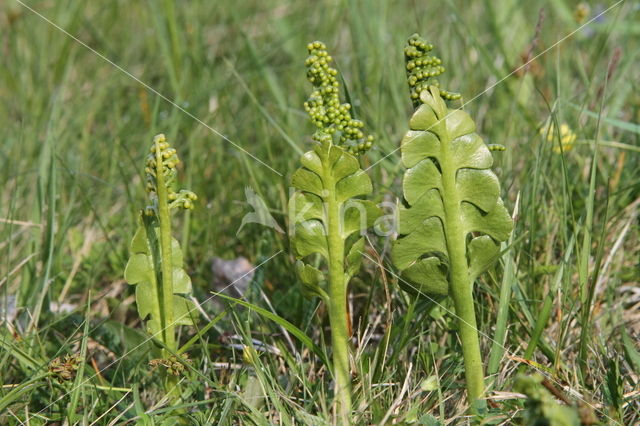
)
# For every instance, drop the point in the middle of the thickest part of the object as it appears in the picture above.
(76, 130)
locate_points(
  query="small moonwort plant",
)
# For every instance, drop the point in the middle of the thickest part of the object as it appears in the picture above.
(155, 265)
(454, 217)
(325, 216)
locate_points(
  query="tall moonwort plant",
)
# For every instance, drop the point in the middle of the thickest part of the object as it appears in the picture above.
(155, 265)
(454, 218)
(326, 218)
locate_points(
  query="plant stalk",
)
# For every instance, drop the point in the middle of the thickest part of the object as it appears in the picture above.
(166, 288)
(461, 288)
(499, 337)
(338, 305)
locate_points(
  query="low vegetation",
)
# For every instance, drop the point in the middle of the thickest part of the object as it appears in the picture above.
(416, 256)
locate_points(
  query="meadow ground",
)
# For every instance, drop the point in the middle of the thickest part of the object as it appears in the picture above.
(84, 87)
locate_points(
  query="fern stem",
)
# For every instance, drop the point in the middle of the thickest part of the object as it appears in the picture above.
(166, 287)
(461, 288)
(338, 305)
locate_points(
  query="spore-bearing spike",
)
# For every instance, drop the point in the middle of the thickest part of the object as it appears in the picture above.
(167, 165)
(422, 69)
(324, 106)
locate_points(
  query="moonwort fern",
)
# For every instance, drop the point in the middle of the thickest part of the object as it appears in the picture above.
(155, 266)
(454, 217)
(326, 218)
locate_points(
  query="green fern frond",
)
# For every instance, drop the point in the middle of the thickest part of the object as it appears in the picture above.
(326, 214)
(156, 265)
(454, 220)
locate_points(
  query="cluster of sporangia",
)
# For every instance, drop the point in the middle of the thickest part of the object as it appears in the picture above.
(64, 369)
(324, 107)
(422, 69)
(184, 198)
(172, 364)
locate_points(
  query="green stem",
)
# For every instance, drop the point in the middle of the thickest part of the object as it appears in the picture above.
(166, 287)
(176, 51)
(545, 312)
(15, 394)
(499, 337)
(461, 288)
(338, 304)
(583, 266)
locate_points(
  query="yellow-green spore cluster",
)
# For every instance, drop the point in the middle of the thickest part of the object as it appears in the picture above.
(164, 159)
(327, 113)
(423, 68)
